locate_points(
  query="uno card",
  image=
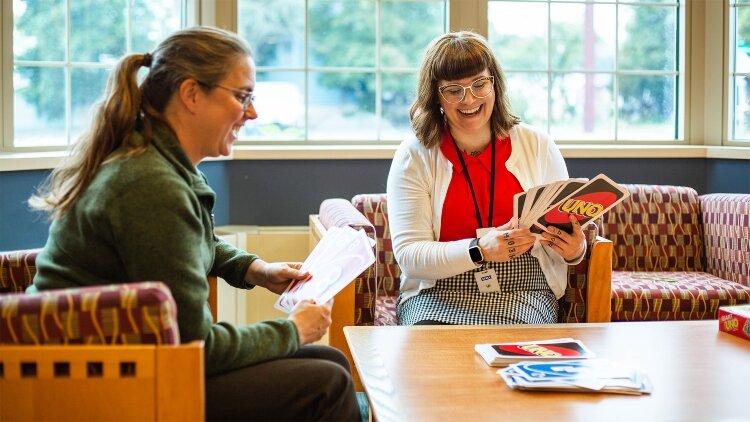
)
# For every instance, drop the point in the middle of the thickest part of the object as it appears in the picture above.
(558, 349)
(587, 203)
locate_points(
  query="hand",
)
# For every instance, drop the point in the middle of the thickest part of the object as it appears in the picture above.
(274, 276)
(569, 246)
(502, 244)
(312, 320)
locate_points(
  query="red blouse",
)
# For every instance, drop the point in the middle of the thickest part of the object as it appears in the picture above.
(459, 219)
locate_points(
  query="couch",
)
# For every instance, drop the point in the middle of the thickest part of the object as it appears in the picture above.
(95, 353)
(678, 255)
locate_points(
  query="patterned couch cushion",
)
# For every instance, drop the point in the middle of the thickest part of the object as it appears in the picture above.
(678, 256)
(133, 313)
(17, 270)
(672, 295)
(726, 228)
(657, 229)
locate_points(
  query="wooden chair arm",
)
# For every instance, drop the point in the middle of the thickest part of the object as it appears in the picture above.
(599, 282)
(122, 382)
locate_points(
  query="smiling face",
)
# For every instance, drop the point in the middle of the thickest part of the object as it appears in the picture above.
(224, 113)
(470, 116)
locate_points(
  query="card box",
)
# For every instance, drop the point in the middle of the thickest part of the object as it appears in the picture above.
(735, 320)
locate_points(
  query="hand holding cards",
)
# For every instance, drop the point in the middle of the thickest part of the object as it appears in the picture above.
(340, 256)
(551, 204)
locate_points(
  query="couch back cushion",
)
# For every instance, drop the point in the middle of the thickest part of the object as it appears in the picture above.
(375, 207)
(658, 228)
(133, 313)
(17, 270)
(726, 227)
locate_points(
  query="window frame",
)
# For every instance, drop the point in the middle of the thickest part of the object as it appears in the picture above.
(729, 53)
(706, 63)
(616, 73)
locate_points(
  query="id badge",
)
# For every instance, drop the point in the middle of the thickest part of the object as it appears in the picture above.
(487, 281)
(484, 230)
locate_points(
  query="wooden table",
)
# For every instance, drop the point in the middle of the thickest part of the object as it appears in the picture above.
(432, 373)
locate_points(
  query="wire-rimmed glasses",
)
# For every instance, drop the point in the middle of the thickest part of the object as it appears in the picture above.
(244, 97)
(455, 93)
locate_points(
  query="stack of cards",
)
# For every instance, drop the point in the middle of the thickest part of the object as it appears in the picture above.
(341, 255)
(503, 354)
(590, 376)
(550, 204)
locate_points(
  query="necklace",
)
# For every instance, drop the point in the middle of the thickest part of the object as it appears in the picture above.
(474, 153)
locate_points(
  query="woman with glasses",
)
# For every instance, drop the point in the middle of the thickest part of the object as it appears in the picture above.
(129, 204)
(450, 195)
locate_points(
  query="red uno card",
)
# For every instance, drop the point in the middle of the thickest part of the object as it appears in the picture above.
(590, 201)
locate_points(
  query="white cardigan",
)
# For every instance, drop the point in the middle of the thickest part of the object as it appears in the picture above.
(417, 185)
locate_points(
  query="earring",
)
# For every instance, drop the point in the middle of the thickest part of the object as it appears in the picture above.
(442, 111)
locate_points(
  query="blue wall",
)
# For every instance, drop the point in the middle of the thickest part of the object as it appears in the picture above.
(21, 228)
(278, 192)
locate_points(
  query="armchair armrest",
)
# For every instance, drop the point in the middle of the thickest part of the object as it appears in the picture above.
(116, 345)
(117, 382)
(131, 313)
(599, 289)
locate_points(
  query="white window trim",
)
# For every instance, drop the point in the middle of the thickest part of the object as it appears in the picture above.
(48, 160)
(706, 106)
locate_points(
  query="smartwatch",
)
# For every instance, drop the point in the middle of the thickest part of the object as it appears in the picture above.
(475, 252)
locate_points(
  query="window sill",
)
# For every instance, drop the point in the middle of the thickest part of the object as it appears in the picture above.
(47, 160)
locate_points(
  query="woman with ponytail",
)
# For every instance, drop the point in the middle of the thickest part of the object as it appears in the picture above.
(129, 204)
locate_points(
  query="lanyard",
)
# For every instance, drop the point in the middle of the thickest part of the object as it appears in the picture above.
(471, 187)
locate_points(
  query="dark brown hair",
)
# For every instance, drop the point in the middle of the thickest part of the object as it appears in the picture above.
(452, 56)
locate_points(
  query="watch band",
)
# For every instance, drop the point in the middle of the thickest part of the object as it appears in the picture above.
(475, 252)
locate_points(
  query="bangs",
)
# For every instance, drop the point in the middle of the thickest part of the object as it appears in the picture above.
(460, 58)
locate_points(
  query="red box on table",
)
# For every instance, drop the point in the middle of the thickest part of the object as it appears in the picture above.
(735, 320)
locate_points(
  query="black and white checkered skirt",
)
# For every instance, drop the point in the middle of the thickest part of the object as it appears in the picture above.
(524, 298)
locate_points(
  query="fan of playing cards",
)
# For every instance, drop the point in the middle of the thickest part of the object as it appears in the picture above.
(340, 256)
(551, 204)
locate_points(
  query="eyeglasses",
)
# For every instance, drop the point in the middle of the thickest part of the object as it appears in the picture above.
(455, 93)
(244, 97)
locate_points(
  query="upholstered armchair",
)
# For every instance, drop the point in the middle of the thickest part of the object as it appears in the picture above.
(678, 255)
(97, 353)
(371, 298)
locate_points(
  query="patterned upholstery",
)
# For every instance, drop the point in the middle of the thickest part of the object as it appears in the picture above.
(134, 313)
(377, 289)
(726, 234)
(664, 267)
(17, 269)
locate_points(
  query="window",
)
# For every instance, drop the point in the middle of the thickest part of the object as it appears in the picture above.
(344, 71)
(605, 70)
(63, 51)
(739, 75)
(336, 70)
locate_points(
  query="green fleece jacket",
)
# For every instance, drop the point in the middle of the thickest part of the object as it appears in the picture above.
(149, 218)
